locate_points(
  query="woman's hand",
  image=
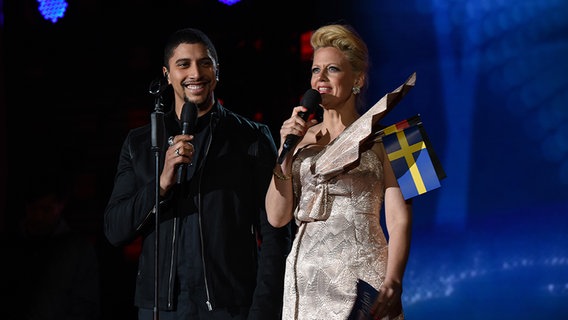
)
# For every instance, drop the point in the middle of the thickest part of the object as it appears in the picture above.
(294, 128)
(388, 301)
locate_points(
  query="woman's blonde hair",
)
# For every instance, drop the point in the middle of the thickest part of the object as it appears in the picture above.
(347, 40)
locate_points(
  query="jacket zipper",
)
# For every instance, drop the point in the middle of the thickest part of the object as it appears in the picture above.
(172, 262)
(199, 213)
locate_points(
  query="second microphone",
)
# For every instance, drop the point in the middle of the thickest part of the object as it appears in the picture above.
(310, 100)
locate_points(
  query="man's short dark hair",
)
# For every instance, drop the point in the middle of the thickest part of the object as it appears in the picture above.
(188, 35)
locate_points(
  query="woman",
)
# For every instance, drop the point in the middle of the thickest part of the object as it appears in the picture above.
(337, 210)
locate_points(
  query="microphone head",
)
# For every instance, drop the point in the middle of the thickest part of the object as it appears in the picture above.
(310, 100)
(188, 116)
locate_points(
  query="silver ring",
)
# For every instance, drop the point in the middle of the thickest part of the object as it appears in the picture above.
(177, 152)
(171, 141)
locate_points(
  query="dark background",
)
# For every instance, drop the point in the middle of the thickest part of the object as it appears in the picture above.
(491, 89)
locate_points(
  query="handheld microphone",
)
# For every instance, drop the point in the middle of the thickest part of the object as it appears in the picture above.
(310, 100)
(188, 122)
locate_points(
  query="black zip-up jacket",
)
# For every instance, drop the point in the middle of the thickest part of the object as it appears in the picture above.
(233, 177)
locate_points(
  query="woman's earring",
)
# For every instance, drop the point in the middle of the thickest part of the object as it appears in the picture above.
(356, 89)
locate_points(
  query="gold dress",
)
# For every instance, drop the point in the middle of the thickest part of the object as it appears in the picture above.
(340, 244)
(339, 191)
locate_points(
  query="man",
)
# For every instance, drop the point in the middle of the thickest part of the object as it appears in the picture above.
(212, 220)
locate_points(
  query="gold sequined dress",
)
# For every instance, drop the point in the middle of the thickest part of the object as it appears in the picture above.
(339, 190)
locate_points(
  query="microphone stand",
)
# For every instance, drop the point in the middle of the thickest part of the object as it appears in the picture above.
(158, 140)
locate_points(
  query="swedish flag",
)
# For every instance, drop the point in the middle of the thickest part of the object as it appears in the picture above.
(412, 157)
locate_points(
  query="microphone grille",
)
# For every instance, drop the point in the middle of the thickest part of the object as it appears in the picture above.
(189, 113)
(311, 99)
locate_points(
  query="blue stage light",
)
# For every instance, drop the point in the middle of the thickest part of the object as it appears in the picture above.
(229, 2)
(52, 9)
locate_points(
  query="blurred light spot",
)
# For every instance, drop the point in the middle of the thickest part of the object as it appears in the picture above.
(229, 2)
(52, 9)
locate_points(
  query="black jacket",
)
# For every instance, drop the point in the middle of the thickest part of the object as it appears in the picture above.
(231, 181)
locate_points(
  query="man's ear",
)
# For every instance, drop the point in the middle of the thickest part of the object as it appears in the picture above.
(166, 74)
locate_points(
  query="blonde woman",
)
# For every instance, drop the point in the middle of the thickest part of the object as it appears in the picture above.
(339, 237)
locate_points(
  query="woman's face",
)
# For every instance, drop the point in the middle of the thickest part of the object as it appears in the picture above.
(333, 77)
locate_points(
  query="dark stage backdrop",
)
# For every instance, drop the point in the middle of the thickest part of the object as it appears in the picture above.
(491, 89)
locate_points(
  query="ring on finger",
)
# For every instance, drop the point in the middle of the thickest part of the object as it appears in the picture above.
(171, 141)
(177, 152)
